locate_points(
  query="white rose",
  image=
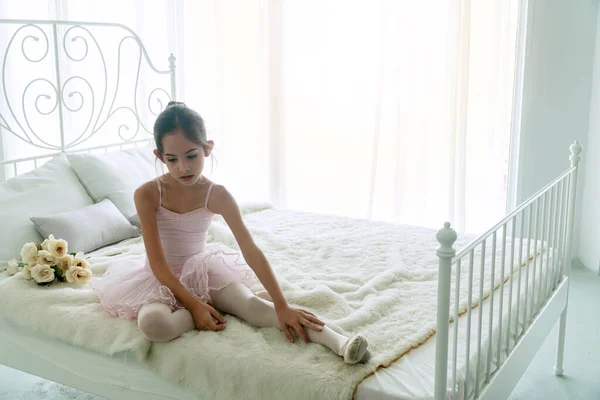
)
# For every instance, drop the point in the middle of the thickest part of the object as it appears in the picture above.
(80, 261)
(78, 275)
(58, 248)
(45, 242)
(13, 267)
(42, 273)
(27, 272)
(65, 262)
(29, 253)
(44, 257)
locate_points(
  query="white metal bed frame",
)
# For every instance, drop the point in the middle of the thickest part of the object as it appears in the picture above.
(555, 203)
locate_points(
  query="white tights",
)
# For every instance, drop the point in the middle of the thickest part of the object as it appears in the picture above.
(158, 323)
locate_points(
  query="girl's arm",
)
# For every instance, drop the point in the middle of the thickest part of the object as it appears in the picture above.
(222, 202)
(146, 202)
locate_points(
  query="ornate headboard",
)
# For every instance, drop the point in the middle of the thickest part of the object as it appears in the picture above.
(75, 87)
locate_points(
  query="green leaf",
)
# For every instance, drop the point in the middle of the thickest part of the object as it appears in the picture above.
(22, 265)
(73, 254)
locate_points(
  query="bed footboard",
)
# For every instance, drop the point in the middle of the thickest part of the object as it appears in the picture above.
(525, 261)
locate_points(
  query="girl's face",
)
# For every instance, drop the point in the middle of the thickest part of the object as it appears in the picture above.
(184, 158)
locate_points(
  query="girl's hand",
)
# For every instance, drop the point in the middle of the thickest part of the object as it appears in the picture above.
(207, 318)
(294, 318)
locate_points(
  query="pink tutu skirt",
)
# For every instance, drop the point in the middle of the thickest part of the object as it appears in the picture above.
(125, 288)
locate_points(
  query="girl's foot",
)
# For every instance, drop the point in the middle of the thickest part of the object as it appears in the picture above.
(355, 349)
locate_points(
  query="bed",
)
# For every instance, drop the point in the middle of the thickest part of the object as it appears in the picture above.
(491, 303)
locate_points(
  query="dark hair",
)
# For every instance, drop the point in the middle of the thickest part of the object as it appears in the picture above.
(179, 116)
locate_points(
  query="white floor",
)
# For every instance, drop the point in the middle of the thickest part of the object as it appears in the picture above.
(582, 349)
(582, 358)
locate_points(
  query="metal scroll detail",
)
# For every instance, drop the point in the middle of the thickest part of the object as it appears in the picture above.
(75, 90)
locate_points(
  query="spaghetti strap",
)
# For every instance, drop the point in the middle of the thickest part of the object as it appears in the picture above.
(208, 195)
(159, 191)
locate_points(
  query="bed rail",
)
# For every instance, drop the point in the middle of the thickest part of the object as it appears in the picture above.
(531, 246)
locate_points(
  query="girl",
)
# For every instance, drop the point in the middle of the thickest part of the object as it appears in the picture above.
(182, 285)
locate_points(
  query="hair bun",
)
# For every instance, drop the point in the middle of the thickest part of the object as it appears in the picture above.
(176, 103)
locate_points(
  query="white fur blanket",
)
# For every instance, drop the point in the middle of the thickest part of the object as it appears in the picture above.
(358, 276)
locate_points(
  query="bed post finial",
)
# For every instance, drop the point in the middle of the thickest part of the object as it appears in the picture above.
(576, 150)
(173, 80)
(446, 237)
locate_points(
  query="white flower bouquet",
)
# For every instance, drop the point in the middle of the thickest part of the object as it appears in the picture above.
(50, 261)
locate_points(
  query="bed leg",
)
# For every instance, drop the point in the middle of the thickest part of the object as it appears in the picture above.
(558, 368)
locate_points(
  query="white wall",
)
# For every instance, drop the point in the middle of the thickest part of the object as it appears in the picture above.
(589, 244)
(557, 92)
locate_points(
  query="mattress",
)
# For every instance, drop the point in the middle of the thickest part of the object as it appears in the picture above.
(24, 349)
(409, 378)
(412, 376)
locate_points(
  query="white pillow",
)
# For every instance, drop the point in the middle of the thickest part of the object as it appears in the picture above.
(49, 189)
(87, 228)
(116, 175)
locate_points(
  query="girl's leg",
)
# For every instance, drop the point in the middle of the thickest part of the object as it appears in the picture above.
(159, 324)
(238, 300)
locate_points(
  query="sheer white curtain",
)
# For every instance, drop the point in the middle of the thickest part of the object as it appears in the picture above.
(392, 110)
